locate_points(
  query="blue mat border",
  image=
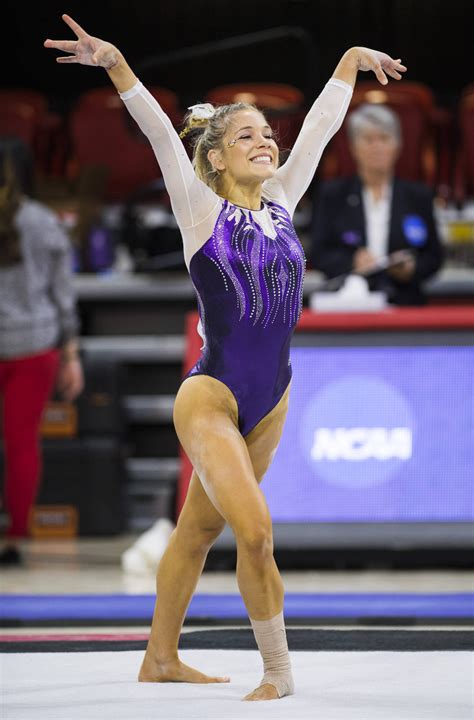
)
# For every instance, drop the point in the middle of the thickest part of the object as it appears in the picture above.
(297, 605)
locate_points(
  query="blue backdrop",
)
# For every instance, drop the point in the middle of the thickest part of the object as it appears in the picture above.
(376, 434)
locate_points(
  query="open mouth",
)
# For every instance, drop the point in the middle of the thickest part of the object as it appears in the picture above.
(262, 159)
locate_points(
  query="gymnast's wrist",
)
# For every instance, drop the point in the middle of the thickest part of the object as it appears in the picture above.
(121, 74)
(113, 59)
(352, 58)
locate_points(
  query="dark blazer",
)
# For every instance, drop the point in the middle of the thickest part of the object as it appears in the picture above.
(338, 230)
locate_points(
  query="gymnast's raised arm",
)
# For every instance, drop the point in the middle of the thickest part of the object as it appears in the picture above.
(325, 118)
(191, 199)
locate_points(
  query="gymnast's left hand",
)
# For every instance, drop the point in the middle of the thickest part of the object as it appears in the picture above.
(380, 63)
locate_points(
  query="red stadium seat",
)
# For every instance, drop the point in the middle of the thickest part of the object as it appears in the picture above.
(283, 105)
(103, 135)
(22, 111)
(464, 164)
(25, 113)
(415, 107)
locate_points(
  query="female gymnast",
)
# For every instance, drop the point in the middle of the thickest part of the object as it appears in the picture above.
(234, 206)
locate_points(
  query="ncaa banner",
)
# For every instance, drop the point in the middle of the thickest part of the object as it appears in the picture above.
(376, 434)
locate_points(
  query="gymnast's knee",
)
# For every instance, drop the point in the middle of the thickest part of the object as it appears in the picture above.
(255, 540)
(197, 539)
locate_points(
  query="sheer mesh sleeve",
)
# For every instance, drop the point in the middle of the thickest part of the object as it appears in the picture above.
(325, 117)
(194, 204)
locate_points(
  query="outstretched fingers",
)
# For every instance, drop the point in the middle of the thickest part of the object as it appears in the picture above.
(75, 27)
(67, 59)
(394, 68)
(379, 74)
(64, 45)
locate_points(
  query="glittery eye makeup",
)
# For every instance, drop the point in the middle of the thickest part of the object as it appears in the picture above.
(231, 143)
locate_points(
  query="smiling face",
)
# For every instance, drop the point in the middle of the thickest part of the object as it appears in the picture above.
(249, 153)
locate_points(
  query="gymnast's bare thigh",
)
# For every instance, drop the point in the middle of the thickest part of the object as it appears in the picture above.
(262, 442)
(206, 397)
(204, 406)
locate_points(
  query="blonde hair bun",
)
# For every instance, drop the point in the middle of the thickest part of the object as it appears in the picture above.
(198, 116)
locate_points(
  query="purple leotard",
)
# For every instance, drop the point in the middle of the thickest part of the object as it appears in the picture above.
(249, 289)
(247, 266)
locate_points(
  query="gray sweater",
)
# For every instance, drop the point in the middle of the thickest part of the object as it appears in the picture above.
(37, 300)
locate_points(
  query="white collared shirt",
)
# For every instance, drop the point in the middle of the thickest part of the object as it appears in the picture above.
(377, 220)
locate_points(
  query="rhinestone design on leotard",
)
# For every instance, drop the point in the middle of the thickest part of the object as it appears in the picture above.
(265, 273)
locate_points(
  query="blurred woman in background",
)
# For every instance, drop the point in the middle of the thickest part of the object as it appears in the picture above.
(374, 214)
(38, 332)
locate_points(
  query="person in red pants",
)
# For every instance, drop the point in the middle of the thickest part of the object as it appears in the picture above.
(38, 332)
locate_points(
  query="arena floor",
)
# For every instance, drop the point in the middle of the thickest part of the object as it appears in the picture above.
(365, 645)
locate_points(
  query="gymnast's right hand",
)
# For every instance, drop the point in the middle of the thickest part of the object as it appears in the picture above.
(86, 50)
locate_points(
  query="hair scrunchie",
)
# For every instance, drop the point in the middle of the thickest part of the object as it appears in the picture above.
(199, 115)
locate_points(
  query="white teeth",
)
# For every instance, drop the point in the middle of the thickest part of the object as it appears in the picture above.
(262, 159)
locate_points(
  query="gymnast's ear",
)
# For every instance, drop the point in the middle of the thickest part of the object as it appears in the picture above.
(215, 158)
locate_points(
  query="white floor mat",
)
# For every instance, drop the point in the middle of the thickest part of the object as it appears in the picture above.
(329, 686)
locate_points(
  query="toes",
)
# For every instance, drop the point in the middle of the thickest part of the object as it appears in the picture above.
(252, 697)
(263, 692)
(249, 697)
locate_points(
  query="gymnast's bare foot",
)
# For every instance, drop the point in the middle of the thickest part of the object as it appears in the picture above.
(174, 671)
(264, 692)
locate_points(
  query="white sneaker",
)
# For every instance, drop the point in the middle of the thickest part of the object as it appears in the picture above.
(145, 554)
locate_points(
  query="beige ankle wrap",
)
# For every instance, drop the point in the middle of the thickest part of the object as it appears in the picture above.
(271, 641)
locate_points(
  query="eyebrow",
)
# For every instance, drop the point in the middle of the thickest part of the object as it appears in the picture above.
(251, 127)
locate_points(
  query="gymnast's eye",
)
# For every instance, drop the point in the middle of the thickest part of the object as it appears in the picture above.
(247, 137)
